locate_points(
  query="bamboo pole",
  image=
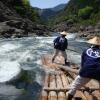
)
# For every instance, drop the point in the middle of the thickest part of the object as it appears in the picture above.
(64, 81)
(59, 82)
(68, 88)
(61, 96)
(88, 95)
(68, 69)
(46, 82)
(52, 85)
(52, 95)
(96, 94)
(52, 82)
(79, 94)
(93, 93)
(44, 95)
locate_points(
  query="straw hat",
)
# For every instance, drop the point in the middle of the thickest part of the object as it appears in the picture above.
(95, 41)
(63, 33)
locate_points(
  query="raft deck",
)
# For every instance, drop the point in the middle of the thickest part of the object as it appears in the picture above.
(57, 82)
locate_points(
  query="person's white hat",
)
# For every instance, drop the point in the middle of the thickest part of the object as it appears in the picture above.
(63, 33)
(95, 41)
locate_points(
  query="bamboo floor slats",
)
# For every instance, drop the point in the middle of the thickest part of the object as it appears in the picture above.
(57, 83)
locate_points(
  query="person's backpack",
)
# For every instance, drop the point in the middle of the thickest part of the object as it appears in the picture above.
(60, 44)
(56, 43)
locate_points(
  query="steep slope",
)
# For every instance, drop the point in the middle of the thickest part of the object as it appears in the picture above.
(75, 6)
(77, 15)
(22, 7)
(46, 14)
(18, 19)
(59, 7)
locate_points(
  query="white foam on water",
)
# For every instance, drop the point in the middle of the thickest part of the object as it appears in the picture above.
(23, 56)
(8, 47)
(50, 39)
(81, 40)
(27, 51)
(46, 39)
(71, 36)
(9, 70)
(74, 57)
(38, 62)
(30, 55)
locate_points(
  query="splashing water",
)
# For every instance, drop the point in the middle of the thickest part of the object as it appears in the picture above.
(26, 53)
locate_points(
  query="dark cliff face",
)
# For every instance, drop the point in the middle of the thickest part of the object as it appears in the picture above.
(10, 21)
(10, 3)
(6, 13)
(15, 24)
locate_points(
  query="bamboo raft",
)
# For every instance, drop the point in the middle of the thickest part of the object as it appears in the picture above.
(57, 82)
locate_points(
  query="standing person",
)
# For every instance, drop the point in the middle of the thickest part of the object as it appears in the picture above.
(60, 45)
(90, 67)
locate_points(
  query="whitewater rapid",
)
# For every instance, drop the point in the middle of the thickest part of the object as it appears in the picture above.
(26, 53)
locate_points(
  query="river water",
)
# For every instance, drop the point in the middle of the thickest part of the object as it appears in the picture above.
(26, 53)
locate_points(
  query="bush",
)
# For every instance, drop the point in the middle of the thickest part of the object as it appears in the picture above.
(20, 10)
(85, 12)
(25, 10)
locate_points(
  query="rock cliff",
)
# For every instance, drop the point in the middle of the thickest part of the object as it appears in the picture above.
(12, 24)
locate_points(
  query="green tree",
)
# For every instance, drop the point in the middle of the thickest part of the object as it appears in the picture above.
(24, 8)
(85, 12)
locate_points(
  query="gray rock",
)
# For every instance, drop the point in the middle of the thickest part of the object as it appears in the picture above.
(13, 25)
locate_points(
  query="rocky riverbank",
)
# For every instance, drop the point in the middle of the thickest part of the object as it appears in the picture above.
(14, 25)
(87, 32)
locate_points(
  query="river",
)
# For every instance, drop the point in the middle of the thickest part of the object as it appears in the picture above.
(26, 53)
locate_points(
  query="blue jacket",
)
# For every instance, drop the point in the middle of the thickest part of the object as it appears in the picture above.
(60, 43)
(90, 64)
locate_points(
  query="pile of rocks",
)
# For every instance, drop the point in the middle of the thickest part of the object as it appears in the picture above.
(83, 31)
(66, 26)
(89, 31)
(13, 25)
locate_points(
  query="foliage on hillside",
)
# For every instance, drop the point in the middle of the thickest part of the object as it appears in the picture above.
(79, 11)
(24, 8)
